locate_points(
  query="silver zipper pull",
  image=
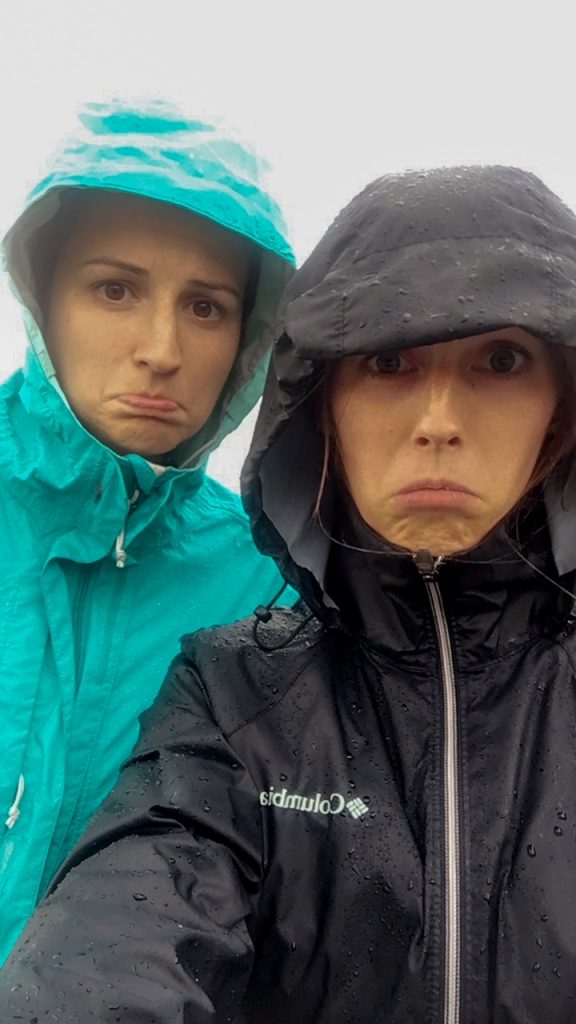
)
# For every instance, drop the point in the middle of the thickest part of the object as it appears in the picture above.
(120, 552)
(427, 563)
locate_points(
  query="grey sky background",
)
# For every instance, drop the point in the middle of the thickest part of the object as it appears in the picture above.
(333, 92)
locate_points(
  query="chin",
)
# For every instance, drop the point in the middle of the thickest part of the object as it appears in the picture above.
(440, 543)
(152, 451)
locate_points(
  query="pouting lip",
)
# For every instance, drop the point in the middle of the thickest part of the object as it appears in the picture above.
(431, 484)
(146, 400)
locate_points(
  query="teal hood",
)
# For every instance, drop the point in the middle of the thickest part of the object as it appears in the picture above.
(157, 153)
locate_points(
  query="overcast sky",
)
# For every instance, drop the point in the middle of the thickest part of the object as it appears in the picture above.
(333, 92)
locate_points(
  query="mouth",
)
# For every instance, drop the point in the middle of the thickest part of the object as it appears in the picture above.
(435, 493)
(435, 485)
(151, 404)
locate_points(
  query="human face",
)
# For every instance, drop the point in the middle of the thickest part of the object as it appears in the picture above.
(439, 442)
(144, 321)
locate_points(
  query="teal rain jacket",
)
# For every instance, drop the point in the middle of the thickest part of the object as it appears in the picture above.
(106, 562)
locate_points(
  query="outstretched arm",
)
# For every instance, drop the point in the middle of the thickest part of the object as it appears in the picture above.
(150, 921)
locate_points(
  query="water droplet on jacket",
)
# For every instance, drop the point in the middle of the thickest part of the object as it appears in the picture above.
(562, 815)
(536, 967)
(558, 831)
(531, 850)
(139, 896)
(283, 777)
(406, 317)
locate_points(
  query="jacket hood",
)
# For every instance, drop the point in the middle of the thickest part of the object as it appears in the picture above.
(157, 153)
(414, 259)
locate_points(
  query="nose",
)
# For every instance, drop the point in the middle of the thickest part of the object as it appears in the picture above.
(439, 418)
(158, 343)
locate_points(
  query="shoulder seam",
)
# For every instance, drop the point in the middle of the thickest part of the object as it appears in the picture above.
(224, 501)
(279, 699)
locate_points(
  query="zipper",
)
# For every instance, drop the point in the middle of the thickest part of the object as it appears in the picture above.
(14, 811)
(119, 549)
(86, 572)
(89, 570)
(428, 566)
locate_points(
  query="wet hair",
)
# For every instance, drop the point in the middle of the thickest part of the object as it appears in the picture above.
(560, 441)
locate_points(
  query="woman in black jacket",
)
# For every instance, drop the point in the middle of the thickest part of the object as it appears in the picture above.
(367, 814)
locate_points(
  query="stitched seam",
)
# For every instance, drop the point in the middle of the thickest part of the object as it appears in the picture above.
(430, 242)
(341, 326)
(564, 647)
(277, 701)
(553, 293)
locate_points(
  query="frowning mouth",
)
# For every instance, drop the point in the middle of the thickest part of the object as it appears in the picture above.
(437, 494)
(153, 404)
(435, 485)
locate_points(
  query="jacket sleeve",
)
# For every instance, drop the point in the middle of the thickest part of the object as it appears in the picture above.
(151, 919)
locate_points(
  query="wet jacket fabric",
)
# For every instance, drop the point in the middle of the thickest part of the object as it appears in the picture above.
(365, 815)
(108, 560)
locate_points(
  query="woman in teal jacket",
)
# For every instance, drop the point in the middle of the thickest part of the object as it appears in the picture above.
(114, 541)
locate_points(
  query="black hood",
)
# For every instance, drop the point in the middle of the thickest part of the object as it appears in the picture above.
(414, 259)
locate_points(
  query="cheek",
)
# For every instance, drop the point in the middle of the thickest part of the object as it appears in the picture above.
(516, 441)
(77, 339)
(208, 365)
(366, 446)
(536, 418)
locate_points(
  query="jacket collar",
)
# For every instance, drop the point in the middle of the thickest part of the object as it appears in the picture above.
(63, 475)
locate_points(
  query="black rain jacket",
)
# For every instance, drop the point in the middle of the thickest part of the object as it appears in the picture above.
(367, 816)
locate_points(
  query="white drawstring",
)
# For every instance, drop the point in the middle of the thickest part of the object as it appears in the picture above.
(119, 549)
(14, 812)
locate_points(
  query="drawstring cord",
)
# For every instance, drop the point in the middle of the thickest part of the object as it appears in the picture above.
(14, 812)
(119, 546)
(263, 614)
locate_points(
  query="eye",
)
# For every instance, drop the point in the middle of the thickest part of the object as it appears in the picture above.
(205, 309)
(114, 291)
(389, 364)
(505, 359)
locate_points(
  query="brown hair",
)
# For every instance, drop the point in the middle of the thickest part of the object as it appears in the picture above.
(560, 440)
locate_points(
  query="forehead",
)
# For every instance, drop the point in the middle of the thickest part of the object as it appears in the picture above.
(115, 224)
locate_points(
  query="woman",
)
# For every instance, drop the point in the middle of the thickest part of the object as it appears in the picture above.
(149, 262)
(367, 816)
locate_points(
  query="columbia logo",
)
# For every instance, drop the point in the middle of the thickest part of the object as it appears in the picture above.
(357, 807)
(318, 804)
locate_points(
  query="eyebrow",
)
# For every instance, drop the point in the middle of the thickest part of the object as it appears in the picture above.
(133, 268)
(118, 264)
